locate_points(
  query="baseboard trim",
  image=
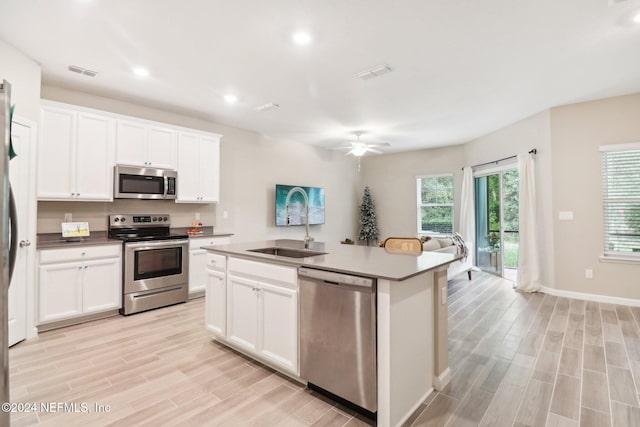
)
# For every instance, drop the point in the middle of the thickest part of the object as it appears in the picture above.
(442, 380)
(592, 297)
(415, 407)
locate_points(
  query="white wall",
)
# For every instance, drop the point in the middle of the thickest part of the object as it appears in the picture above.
(577, 132)
(518, 138)
(392, 180)
(24, 75)
(251, 166)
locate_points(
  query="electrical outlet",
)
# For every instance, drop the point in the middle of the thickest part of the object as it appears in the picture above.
(68, 217)
(197, 216)
(444, 295)
(588, 273)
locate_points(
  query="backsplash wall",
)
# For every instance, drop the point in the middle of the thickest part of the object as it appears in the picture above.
(51, 214)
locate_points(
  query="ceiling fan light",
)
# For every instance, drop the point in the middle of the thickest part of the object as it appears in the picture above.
(359, 151)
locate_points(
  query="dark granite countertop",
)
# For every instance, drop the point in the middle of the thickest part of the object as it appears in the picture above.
(55, 240)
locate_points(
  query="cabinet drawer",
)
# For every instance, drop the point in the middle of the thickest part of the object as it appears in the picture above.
(79, 253)
(261, 270)
(198, 242)
(216, 262)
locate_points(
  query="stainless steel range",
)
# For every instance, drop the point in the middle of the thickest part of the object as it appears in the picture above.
(156, 262)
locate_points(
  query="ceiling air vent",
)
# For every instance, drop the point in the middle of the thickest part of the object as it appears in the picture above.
(374, 72)
(84, 71)
(268, 106)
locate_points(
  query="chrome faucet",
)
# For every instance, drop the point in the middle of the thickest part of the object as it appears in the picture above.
(307, 238)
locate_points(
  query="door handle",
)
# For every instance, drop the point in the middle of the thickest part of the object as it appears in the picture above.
(24, 243)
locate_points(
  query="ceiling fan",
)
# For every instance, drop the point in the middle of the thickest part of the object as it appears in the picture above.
(359, 148)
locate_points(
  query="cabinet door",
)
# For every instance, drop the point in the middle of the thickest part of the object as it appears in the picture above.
(60, 291)
(55, 154)
(161, 147)
(101, 285)
(197, 270)
(279, 326)
(94, 157)
(188, 168)
(216, 303)
(242, 312)
(210, 169)
(131, 143)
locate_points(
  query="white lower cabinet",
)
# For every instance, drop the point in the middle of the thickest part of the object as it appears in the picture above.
(198, 262)
(60, 291)
(262, 312)
(216, 303)
(278, 325)
(101, 288)
(242, 312)
(79, 281)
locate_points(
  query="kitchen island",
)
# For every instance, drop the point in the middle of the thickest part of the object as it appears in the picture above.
(410, 311)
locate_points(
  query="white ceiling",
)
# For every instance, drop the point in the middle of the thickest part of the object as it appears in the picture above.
(461, 68)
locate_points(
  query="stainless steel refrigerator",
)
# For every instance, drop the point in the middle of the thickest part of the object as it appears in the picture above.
(8, 228)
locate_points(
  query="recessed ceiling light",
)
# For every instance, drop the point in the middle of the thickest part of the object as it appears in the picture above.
(301, 38)
(636, 18)
(142, 72)
(230, 98)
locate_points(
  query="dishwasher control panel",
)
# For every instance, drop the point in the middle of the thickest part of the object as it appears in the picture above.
(335, 278)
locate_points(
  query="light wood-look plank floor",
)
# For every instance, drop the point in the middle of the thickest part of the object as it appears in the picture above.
(516, 360)
(536, 360)
(158, 368)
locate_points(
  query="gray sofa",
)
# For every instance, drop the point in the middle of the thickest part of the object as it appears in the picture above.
(447, 245)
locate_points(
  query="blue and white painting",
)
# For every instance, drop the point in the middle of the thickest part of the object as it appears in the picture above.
(296, 205)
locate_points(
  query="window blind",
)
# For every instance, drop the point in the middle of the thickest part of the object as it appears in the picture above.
(621, 200)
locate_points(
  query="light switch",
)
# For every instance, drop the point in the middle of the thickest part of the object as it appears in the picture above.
(565, 216)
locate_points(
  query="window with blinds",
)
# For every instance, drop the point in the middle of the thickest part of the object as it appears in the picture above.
(621, 199)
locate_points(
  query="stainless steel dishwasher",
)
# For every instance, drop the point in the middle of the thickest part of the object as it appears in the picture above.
(338, 335)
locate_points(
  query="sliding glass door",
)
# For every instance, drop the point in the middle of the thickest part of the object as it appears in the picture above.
(497, 223)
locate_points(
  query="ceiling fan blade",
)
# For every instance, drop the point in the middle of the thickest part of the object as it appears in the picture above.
(352, 151)
(340, 148)
(379, 144)
(373, 150)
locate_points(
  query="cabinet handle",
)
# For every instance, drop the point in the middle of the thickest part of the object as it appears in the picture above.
(85, 267)
(24, 243)
(79, 267)
(84, 253)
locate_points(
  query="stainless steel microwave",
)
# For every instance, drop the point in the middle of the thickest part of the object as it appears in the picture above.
(132, 182)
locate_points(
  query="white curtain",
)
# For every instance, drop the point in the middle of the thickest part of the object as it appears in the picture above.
(528, 260)
(467, 207)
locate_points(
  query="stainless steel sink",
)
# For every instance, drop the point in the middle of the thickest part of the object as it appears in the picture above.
(287, 252)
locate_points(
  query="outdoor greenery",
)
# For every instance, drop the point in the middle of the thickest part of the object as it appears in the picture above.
(510, 220)
(436, 204)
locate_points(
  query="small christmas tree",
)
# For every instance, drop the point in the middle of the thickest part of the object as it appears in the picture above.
(368, 227)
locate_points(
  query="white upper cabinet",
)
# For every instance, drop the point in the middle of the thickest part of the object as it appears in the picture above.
(198, 168)
(79, 148)
(76, 155)
(143, 144)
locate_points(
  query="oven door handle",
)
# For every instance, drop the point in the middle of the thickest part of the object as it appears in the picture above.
(164, 243)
